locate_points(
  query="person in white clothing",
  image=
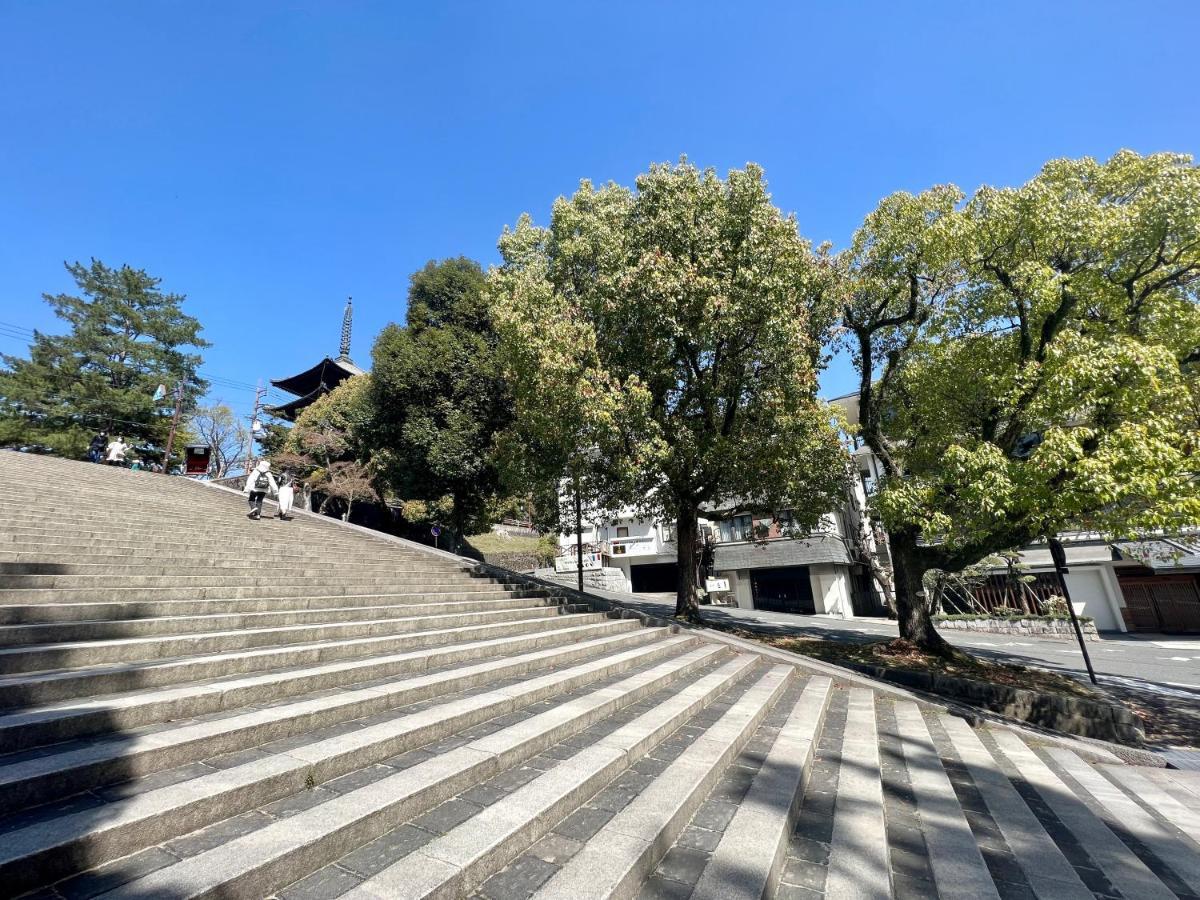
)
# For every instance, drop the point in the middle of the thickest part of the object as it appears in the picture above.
(259, 483)
(115, 455)
(287, 493)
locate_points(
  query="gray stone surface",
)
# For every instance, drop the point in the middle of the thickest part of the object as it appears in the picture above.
(249, 709)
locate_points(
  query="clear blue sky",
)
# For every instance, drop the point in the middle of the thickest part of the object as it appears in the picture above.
(268, 159)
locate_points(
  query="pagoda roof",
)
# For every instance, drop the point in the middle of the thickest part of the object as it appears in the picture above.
(290, 410)
(324, 376)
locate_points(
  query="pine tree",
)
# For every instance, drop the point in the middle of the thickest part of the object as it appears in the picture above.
(126, 338)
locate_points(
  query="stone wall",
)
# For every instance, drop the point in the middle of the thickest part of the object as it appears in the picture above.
(1044, 628)
(609, 578)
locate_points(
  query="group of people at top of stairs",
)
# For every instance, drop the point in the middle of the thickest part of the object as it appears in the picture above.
(112, 453)
(261, 481)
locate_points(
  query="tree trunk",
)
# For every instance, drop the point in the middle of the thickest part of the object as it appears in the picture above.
(687, 532)
(916, 624)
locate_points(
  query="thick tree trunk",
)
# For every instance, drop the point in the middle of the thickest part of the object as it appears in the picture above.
(687, 532)
(916, 625)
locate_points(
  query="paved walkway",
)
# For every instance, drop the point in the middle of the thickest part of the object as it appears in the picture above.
(1158, 675)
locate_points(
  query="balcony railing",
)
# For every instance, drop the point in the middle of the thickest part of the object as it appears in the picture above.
(630, 546)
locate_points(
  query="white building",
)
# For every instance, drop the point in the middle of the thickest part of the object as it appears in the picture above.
(751, 551)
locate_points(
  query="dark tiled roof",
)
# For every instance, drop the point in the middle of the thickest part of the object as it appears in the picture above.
(1164, 556)
(817, 548)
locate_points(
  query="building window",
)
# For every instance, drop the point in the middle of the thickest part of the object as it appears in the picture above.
(738, 528)
(668, 533)
(622, 531)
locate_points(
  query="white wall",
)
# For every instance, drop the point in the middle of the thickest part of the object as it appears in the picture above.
(831, 590)
(1097, 589)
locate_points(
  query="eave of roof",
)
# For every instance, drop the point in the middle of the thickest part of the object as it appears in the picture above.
(328, 372)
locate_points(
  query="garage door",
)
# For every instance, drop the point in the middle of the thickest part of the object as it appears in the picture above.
(782, 590)
(1162, 603)
(654, 578)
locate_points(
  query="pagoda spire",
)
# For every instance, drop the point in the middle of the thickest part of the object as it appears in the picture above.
(347, 318)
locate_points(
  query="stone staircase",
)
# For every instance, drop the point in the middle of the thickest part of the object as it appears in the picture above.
(196, 705)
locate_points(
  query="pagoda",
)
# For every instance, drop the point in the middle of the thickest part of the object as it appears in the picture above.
(311, 384)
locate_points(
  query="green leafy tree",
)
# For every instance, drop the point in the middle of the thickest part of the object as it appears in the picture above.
(664, 344)
(126, 338)
(1028, 362)
(439, 396)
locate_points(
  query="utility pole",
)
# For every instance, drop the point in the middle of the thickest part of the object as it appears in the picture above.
(174, 425)
(1059, 555)
(259, 392)
(579, 534)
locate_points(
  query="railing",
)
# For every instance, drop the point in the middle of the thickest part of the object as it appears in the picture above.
(630, 546)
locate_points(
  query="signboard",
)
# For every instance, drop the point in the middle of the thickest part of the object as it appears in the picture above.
(569, 563)
(716, 585)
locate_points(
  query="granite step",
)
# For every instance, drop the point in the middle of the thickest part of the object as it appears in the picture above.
(36, 633)
(43, 657)
(455, 864)
(455, 645)
(101, 610)
(617, 859)
(71, 768)
(1118, 863)
(258, 863)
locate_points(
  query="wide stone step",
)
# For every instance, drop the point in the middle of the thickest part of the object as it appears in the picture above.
(95, 552)
(56, 686)
(858, 854)
(301, 565)
(1107, 852)
(465, 856)
(234, 591)
(82, 653)
(56, 722)
(748, 861)
(265, 532)
(55, 632)
(99, 610)
(1124, 815)
(1181, 808)
(285, 578)
(256, 864)
(616, 860)
(1048, 871)
(78, 766)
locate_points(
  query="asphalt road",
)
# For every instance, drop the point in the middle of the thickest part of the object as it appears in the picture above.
(1162, 660)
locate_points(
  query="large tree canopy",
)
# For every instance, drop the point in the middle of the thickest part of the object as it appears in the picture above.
(663, 345)
(439, 396)
(1028, 361)
(126, 338)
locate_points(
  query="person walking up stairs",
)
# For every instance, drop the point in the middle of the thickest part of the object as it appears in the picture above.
(259, 483)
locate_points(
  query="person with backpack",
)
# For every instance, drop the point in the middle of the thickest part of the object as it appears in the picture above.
(96, 447)
(259, 483)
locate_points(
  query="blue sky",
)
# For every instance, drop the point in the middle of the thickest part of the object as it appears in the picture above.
(269, 159)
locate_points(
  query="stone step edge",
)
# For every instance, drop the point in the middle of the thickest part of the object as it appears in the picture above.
(455, 864)
(274, 854)
(748, 861)
(30, 656)
(30, 634)
(26, 730)
(616, 860)
(229, 666)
